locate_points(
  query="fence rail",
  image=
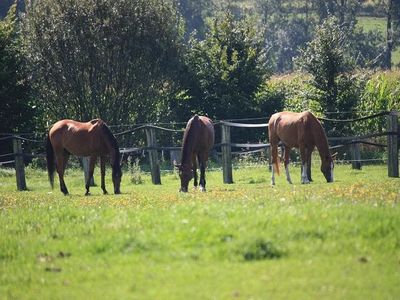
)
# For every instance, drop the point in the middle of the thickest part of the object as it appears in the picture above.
(225, 146)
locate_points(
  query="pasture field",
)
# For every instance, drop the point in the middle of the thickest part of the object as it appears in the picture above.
(379, 24)
(246, 240)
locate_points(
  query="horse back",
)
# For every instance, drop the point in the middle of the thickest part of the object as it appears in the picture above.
(78, 138)
(198, 137)
(292, 128)
(207, 132)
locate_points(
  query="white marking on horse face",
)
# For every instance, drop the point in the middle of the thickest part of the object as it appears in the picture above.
(332, 171)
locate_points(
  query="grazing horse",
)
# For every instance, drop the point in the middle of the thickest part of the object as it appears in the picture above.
(198, 139)
(302, 131)
(92, 139)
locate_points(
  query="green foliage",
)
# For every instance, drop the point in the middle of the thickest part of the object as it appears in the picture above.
(328, 60)
(226, 69)
(135, 171)
(108, 59)
(381, 93)
(366, 47)
(284, 31)
(299, 94)
(195, 13)
(16, 113)
(324, 58)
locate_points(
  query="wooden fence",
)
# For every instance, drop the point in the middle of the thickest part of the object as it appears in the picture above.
(226, 146)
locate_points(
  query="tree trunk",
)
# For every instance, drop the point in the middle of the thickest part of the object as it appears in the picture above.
(389, 37)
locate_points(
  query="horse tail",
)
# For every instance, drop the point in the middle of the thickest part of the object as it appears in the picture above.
(50, 161)
(275, 158)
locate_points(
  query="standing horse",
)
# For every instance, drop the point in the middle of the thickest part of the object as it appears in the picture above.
(198, 139)
(92, 139)
(302, 131)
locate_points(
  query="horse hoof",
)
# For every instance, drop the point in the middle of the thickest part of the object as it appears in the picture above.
(105, 192)
(202, 189)
(87, 194)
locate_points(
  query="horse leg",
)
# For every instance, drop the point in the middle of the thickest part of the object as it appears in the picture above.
(274, 157)
(61, 162)
(287, 151)
(92, 162)
(202, 163)
(309, 168)
(103, 173)
(304, 160)
(194, 166)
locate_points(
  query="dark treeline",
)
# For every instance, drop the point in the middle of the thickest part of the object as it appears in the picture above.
(135, 61)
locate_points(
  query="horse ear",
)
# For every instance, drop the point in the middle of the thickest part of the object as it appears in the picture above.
(334, 155)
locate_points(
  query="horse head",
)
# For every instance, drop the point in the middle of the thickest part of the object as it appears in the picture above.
(327, 167)
(185, 174)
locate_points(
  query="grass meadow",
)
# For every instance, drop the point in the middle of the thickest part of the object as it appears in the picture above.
(379, 24)
(246, 240)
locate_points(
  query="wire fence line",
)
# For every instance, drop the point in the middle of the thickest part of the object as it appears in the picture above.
(230, 122)
(246, 147)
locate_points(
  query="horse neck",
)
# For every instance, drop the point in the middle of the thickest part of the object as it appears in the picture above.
(188, 143)
(114, 156)
(112, 147)
(321, 142)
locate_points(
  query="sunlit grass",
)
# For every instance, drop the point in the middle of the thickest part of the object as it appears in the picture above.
(246, 240)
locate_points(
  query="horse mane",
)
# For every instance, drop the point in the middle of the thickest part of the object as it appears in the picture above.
(112, 140)
(321, 140)
(189, 138)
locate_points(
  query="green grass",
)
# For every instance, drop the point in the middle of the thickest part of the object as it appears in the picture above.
(246, 240)
(372, 23)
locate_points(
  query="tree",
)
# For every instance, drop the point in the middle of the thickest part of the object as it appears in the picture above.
(226, 69)
(15, 98)
(285, 31)
(324, 59)
(195, 13)
(392, 30)
(103, 58)
(328, 61)
(5, 6)
(343, 10)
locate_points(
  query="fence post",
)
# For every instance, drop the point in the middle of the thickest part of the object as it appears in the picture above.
(355, 156)
(226, 153)
(393, 147)
(19, 164)
(153, 155)
(85, 164)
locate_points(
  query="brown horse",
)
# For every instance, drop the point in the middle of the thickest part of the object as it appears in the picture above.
(198, 139)
(302, 131)
(92, 139)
